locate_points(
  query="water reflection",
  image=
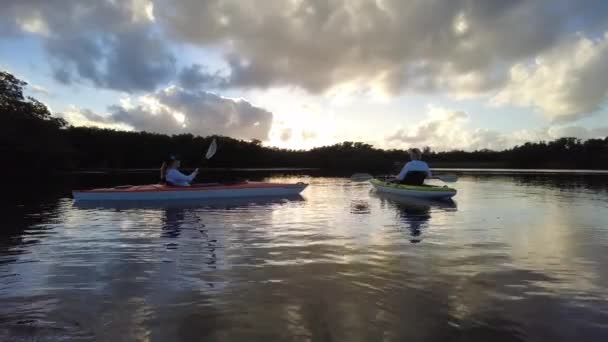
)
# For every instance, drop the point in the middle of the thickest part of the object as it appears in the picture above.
(414, 214)
(511, 262)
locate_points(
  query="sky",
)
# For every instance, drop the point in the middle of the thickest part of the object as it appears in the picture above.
(449, 74)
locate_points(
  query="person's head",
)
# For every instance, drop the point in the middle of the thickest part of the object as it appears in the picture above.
(415, 154)
(173, 162)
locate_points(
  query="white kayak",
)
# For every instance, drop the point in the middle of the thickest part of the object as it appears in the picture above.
(418, 191)
(203, 191)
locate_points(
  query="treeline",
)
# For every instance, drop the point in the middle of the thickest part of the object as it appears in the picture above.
(31, 139)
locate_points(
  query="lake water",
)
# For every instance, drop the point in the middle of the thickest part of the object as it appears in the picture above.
(513, 258)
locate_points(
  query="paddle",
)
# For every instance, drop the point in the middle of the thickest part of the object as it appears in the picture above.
(362, 177)
(211, 150)
(210, 153)
(447, 178)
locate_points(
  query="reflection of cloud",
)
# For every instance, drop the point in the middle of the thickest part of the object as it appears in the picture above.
(535, 233)
(552, 231)
(311, 270)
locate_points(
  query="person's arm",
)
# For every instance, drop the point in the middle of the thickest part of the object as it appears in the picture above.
(174, 176)
(403, 172)
(193, 174)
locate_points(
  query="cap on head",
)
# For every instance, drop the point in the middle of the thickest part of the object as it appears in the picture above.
(172, 157)
(415, 153)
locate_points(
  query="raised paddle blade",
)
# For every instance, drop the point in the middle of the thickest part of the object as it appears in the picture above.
(361, 177)
(211, 150)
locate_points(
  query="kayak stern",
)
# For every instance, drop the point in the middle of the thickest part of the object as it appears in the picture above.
(425, 191)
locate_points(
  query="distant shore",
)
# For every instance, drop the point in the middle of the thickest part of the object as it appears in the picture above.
(303, 169)
(523, 171)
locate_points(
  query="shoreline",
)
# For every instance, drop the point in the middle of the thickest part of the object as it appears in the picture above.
(291, 169)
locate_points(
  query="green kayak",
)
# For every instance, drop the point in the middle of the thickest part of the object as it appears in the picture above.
(418, 191)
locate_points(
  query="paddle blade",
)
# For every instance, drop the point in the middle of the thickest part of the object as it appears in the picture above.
(448, 178)
(211, 150)
(361, 177)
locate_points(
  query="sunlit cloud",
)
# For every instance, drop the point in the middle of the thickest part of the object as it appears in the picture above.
(565, 83)
(445, 129)
(175, 110)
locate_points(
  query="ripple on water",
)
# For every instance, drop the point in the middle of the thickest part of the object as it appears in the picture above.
(508, 260)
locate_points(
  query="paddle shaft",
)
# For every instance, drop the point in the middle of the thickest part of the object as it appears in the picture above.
(362, 177)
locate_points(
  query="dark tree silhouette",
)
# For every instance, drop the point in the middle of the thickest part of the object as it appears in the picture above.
(32, 139)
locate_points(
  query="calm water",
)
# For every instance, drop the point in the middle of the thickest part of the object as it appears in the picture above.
(514, 258)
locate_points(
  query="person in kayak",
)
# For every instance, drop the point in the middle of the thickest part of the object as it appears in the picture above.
(415, 171)
(170, 175)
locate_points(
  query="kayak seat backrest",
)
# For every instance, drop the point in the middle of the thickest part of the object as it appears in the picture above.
(414, 178)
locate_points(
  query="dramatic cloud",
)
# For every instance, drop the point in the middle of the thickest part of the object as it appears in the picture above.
(175, 111)
(112, 44)
(565, 83)
(464, 47)
(455, 45)
(197, 76)
(547, 55)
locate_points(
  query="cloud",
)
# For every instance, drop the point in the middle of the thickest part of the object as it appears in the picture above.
(565, 83)
(84, 117)
(134, 60)
(577, 132)
(464, 48)
(112, 44)
(308, 135)
(197, 76)
(461, 46)
(175, 110)
(39, 90)
(445, 129)
(286, 134)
